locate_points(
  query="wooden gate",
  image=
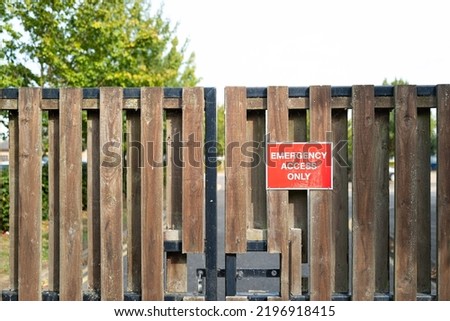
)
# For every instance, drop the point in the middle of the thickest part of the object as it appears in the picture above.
(346, 252)
(151, 166)
(163, 170)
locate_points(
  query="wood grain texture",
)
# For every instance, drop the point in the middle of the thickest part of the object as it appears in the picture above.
(277, 200)
(364, 131)
(93, 200)
(111, 193)
(236, 175)
(30, 200)
(320, 202)
(443, 190)
(70, 194)
(405, 262)
(133, 169)
(295, 261)
(152, 177)
(193, 171)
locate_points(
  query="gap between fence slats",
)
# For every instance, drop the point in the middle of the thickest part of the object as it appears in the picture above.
(133, 168)
(423, 202)
(53, 201)
(93, 201)
(443, 192)
(340, 200)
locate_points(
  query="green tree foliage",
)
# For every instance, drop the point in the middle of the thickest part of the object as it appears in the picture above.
(87, 43)
(221, 130)
(90, 43)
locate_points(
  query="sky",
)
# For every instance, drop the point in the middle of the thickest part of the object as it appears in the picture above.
(259, 43)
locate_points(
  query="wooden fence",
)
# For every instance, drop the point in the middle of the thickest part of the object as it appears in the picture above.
(328, 249)
(164, 204)
(320, 221)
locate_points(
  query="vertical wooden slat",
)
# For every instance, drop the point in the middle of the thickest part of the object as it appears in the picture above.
(381, 163)
(111, 193)
(340, 200)
(423, 202)
(443, 192)
(152, 187)
(30, 194)
(236, 175)
(320, 202)
(176, 263)
(93, 200)
(363, 193)
(133, 168)
(405, 264)
(278, 201)
(53, 201)
(13, 200)
(193, 172)
(295, 261)
(70, 194)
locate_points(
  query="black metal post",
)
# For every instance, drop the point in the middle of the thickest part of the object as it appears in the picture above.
(211, 194)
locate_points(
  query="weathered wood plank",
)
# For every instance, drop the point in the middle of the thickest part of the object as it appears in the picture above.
(381, 163)
(133, 169)
(70, 194)
(13, 200)
(443, 192)
(278, 201)
(193, 172)
(93, 200)
(340, 200)
(295, 261)
(236, 175)
(364, 131)
(30, 200)
(423, 202)
(405, 262)
(111, 193)
(53, 201)
(152, 207)
(320, 202)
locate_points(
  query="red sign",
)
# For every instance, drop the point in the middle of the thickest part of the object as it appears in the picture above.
(299, 166)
